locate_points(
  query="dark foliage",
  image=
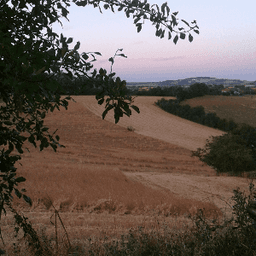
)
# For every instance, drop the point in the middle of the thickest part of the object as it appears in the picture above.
(233, 152)
(227, 153)
(196, 114)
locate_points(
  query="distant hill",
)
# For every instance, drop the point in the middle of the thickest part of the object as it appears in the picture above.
(192, 80)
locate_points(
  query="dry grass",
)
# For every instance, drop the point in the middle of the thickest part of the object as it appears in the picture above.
(88, 183)
(240, 109)
(100, 188)
(87, 175)
(81, 226)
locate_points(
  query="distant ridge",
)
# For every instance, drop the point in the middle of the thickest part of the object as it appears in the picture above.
(192, 80)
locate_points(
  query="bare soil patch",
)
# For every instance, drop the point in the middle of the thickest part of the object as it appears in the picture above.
(107, 169)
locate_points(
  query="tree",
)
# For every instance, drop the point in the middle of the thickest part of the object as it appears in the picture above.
(198, 90)
(233, 152)
(33, 56)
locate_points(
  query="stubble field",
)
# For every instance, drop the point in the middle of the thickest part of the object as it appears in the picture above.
(108, 179)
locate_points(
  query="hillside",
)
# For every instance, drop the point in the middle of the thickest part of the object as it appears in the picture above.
(128, 177)
(156, 123)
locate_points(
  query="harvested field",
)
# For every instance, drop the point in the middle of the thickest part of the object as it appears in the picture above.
(242, 109)
(109, 179)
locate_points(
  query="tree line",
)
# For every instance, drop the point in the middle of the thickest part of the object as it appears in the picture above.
(76, 86)
(196, 114)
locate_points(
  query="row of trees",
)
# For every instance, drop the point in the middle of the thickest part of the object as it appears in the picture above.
(181, 93)
(75, 87)
(196, 114)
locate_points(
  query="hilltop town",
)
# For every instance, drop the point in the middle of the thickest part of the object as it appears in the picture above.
(233, 86)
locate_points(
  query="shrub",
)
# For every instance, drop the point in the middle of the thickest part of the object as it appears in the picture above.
(248, 134)
(227, 153)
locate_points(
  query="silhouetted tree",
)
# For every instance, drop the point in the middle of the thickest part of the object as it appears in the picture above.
(33, 56)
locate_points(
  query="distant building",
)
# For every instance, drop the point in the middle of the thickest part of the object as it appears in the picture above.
(231, 89)
(249, 85)
(225, 90)
(145, 88)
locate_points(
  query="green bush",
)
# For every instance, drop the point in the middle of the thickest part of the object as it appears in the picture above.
(227, 153)
(248, 134)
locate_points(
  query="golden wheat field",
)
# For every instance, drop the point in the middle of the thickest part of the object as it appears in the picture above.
(108, 179)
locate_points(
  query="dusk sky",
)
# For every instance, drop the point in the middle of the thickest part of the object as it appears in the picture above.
(225, 47)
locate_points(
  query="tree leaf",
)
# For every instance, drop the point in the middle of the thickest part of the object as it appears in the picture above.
(17, 193)
(190, 38)
(111, 60)
(70, 40)
(77, 46)
(118, 114)
(162, 35)
(139, 27)
(27, 199)
(44, 129)
(8, 123)
(169, 35)
(18, 147)
(106, 111)
(175, 39)
(100, 102)
(120, 8)
(182, 36)
(85, 56)
(81, 3)
(136, 20)
(121, 54)
(168, 10)
(20, 179)
(11, 147)
(163, 8)
(135, 108)
(185, 22)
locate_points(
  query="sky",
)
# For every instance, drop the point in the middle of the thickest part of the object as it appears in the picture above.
(225, 47)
